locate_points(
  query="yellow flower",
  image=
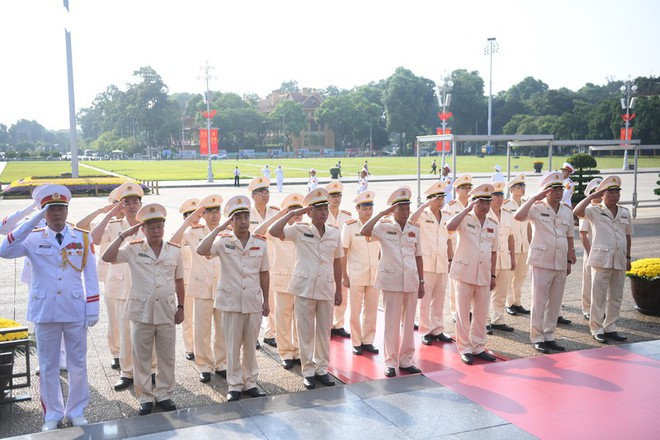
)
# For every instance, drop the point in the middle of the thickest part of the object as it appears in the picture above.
(646, 269)
(8, 323)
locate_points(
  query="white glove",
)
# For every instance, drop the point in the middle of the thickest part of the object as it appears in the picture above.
(91, 320)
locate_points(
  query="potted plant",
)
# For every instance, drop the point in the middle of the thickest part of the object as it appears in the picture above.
(538, 166)
(644, 277)
(11, 333)
(335, 172)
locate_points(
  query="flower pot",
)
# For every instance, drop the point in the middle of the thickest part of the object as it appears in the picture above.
(538, 167)
(646, 295)
(6, 371)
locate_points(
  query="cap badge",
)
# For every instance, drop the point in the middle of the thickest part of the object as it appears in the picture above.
(152, 209)
(56, 196)
(318, 193)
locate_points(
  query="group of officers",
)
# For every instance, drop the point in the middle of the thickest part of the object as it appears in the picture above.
(300, 265)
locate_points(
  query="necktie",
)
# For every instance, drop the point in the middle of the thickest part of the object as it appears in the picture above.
(59, 237)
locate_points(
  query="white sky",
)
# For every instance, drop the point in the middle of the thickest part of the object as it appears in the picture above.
(255, 45)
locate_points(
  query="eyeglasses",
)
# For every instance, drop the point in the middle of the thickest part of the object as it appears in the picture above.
(262, 192)
(519, 185)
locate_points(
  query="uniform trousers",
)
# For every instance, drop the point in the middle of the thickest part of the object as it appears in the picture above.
(340, 310)
(287, 336)
(547, 294)
(364, 310)
(432, 305)
(271, 326)
(113, 325)
(399, 343)
(513, 297)
(313, 321)
(586, 284)
(125, 343)
(145, 338)
(606, 296)
(241, 330)
(471, 335)
(280, 184)
(49, 337)
(187, 330)
(498, 296)
(209, 357)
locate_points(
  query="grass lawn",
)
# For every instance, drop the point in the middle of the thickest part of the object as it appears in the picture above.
(223, 169)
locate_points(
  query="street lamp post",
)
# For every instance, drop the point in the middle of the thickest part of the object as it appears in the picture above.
(490, 48)
(444, 99)
(627, 104)
(207, 70)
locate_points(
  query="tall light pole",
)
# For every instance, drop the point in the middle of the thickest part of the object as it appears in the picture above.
(490, 48)
(444, 99)
(207, 74)
(73, 131)
(627, 104)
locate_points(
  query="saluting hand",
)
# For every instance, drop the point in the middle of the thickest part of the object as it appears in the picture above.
(132, 230)
(117, 207)
(388, 211)
(196, 215)
(542, 194)
(301, 211)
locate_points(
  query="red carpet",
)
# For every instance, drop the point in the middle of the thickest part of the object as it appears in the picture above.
(599, 393)
(350, 368)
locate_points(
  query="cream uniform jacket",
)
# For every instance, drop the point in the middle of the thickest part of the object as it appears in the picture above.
(239, 289)
(505, 229)
(152, 299)
(203, 273)
(569, 189)
(520, 237)
(397, 269)
(283, 263)
(549, 245)
(362, 256)
(118, 276)
(256, 220)
(434, 237)
(313, 274)
(608, 236)
(58, 290)
(342, 217)
(468, 266)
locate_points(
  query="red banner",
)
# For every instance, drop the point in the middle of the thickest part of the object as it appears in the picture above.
(204, 139)
(623, 134)
(438, 145)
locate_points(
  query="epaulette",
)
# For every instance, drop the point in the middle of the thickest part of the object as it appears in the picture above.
(452, 202)
(225, 234)
(385, 219)
(115, 220)
(259, 236)
(332, 226)
(274, 207)
(538, 201)
(351, 221)
(507, 210)
(81, 229)
(38, 229)
(137, 241)
(174, 244)
(413, 223)
(347, 212)
(506, 201)
(197, 226)
(494, 220)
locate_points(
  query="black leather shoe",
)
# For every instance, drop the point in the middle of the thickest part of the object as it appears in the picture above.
(467, 358)
(145, 408)
(444, 338)
(357, 350)
(254, 392)
(369, 348)
(340, 332)
(270, 341)
(166, 405)
(600, 338)
(511, 311)
(221, 373)
(521, 310)
(489, 329)
(541, 347)
(390, 372)
(410, 370)
(123, 383)
(502, 327)
(325, 379)
(115, 364)
(554, 346)
(287, 364)
(615, 336)
(587, 316)
(204, 377)
(428, 339)
(190, 356)
(485, 356)
(309, 382)
(233, 395)
(564, 321)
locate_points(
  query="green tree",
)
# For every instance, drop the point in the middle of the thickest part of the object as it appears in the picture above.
(289, 86)
(468, 104)
(290, 117)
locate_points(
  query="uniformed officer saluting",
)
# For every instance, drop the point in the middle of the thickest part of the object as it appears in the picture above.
(59, 304)
(316, 282)
(155, 304)
(242, 294)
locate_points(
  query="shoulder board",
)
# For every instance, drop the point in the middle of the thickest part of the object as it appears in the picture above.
(507, 202)
(115, 220)
(538, 201)
(332, 226)
(174, 244)
(38, 229)
(346, 212)
(566, 205)
(197, 226)
(138, 241)
(259, 236)
(351, 221)
(507, 210)
(494, 220)
(81, 230)
(452, 202)
(623, 207)
(274, 207)
(385, 219)
(413, 223)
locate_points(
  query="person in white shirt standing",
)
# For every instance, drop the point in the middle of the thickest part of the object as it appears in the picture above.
(279, 176)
